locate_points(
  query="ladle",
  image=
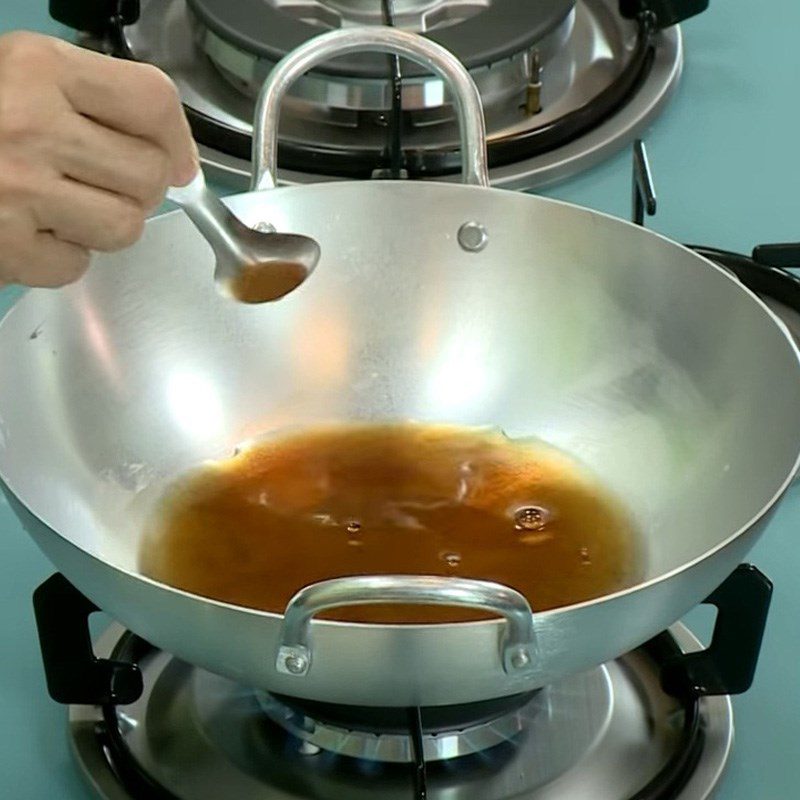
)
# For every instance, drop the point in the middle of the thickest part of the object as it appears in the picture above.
(253, 266)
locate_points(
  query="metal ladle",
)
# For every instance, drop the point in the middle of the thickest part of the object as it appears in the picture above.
(252, 266)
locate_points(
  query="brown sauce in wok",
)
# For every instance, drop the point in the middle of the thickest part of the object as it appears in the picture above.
(382, 499)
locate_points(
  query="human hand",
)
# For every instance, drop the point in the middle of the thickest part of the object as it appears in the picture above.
(88, 146)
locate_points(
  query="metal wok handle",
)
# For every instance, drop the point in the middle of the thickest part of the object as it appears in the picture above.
(369, 39)
(517, 648)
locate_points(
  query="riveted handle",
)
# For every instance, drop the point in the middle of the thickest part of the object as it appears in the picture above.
(369, 39)
(517, 648)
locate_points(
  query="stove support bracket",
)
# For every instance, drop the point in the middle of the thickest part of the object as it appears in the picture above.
(728, 665)
(785, 255)
(666, 12)
(103, 20)
(73, 672)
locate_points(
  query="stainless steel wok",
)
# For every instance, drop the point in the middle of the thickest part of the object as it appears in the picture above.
(437, 302)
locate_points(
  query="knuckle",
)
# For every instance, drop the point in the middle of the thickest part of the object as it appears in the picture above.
(26, 72)
(15, 259)
(70, 268)
(10, 262)
(27, 69)
(159, 91)
(18, 119)
(16, 228)
(125, 227)
(79, 261)
(19, 179)
(23, 49)
(156, 175)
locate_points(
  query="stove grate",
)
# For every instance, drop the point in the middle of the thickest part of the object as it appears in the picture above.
(395, 128)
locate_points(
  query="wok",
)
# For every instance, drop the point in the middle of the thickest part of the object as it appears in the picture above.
(434, 302)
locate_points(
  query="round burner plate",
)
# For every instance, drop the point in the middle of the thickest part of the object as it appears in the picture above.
(603, 735)
(598, 45)
(549, 717)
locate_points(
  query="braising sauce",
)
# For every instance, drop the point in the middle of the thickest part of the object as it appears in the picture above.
(392, 499)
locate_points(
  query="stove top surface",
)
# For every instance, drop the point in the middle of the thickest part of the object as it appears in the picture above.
(726, 166)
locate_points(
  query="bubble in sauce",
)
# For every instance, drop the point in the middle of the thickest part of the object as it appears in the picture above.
(530, 518)
(354, 533)
(585, 559)
(451, 559)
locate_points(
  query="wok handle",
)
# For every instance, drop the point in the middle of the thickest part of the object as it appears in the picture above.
(518, 648)
(369, 39)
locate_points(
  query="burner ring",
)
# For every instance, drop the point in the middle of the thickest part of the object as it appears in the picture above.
(503, 28)
(435, 719)
(497, 82)
(391, 745)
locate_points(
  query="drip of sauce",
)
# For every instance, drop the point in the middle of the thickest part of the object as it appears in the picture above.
(392, 499)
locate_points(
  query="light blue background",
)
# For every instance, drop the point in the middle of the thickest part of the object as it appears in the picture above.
(727, 168)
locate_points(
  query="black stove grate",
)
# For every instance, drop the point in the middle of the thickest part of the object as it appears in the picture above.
(420, 771)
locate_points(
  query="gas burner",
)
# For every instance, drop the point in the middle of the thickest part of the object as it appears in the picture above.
(563, 83)
(611, 734)
(493, 38)
(382, 734)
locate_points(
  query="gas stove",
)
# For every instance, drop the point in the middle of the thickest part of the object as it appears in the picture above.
(722, 157)
(655, 724)
(563, 83)
(612, 732)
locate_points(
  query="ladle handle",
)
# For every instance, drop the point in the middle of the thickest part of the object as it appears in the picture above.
(518, 645)
(369, 39)
(210, 215)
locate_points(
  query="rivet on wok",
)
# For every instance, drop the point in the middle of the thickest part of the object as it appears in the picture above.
(472, 237)
(520, 659)
(265, 227)
(297, 665)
